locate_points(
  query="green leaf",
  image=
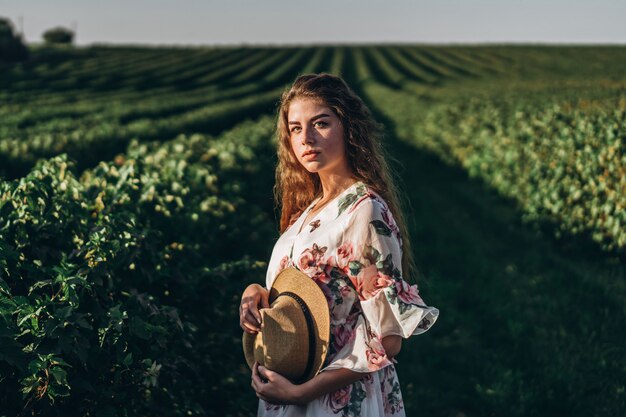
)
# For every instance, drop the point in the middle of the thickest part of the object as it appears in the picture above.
(355, 267)
(128, 360)
(59, 361)
(59, 374)
(386, 265)
(20, 300)
(381, 228)
(4, 287)
(35, 365)
(29, 384)
(346, 201)
(371, 254)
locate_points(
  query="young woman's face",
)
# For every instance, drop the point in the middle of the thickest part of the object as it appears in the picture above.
(315, 127)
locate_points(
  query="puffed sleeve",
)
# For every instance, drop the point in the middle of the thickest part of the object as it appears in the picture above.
(391, 305)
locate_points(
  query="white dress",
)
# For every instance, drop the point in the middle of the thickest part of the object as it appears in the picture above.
(352, 249)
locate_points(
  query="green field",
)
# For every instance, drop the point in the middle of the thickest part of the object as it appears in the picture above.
(130, 176)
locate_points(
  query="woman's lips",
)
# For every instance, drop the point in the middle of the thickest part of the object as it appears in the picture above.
(310, 156)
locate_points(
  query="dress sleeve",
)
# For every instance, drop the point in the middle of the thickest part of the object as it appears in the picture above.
(391, 305)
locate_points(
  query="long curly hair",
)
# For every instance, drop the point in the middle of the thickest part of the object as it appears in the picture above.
(296, 188)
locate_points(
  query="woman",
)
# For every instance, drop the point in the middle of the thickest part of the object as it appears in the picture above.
(340, 224)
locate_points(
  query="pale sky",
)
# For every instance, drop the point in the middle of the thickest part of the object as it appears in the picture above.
(195, 22)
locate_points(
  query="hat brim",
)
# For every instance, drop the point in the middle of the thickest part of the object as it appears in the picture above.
(293, 280)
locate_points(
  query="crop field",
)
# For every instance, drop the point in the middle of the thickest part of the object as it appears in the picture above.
(136, 205)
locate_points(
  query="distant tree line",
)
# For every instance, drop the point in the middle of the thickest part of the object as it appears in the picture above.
(13, 47)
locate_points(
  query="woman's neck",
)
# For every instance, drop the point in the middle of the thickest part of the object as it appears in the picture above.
(334, 185)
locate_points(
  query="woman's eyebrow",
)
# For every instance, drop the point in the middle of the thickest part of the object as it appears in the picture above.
(293, 122)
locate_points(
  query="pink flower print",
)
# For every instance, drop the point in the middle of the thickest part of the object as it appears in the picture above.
(368, 378)
(307, 263)
(344, 255)
(340, 398)
(389, 221)
(330, 297)
(272, 407)
(284, 263)
(371, 281)
(385, 215)
(376, 355)
(344, 334)
(328, 265)
(345, 298)
(345, 291)
(323, 272)
(321, 276)
(409, 294)
(311, 263)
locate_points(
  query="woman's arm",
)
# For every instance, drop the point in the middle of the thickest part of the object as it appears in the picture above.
(325, 382)
(279, 390)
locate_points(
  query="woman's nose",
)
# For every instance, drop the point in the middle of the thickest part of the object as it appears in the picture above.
(309, 135)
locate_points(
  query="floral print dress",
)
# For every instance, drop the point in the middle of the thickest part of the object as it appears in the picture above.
(352, 249)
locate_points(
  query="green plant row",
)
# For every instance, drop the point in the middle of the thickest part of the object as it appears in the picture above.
(562, 158)
(119, 288)
(101, 139)
(96, 71)
(90, 128)
(561, 161)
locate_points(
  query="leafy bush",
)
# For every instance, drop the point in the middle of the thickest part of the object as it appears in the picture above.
(118, 289)
(559, 155)
(562, 161)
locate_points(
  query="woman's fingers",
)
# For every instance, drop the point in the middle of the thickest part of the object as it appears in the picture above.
(250, 318)
(252, 321)
(251, 303)
(265, 373)
(265, 300)
(257, 380)
(249, 324)
(246, 328)
(255, 311)
(253, 380)
(262, 377)
(247, 321)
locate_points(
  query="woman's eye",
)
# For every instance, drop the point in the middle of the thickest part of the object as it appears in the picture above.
(318, 123)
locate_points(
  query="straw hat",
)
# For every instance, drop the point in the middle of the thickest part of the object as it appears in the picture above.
(296, 328)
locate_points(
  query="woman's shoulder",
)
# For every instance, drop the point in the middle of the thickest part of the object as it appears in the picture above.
(364, 200)
(371, 209)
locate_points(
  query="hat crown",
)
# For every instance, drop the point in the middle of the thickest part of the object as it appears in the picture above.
(283, 343)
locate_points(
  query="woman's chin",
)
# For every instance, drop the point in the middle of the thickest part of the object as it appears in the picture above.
(313, 167)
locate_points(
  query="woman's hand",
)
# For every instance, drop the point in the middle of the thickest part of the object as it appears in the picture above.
(273, 387)
(276, 389)
(249, 317)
